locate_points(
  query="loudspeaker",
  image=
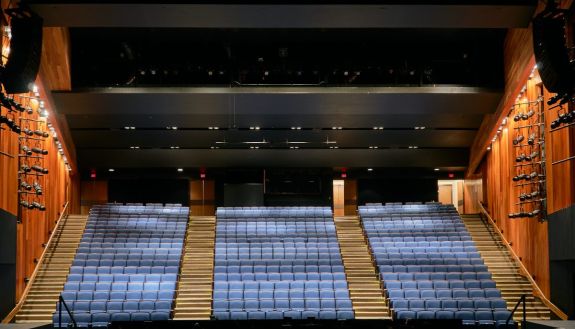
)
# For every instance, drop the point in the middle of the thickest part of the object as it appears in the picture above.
(25, 51)
(551, 53)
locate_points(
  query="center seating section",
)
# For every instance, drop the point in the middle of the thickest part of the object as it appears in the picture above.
(127, 264)
(277, 263)
(429, 266)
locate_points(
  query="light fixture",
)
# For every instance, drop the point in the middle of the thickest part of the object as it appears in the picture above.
(374, 147)
(436, 169)
(214, 147)
(180, 169)
(172, 128)
(413, 147)
(255, 128)
(254, 147)
(294, 147)
(420, 128)
(334, 147)
(174, 147)
(297, 142)
(504, 121)
(336, 128)
(213, 128)
(111, 170)
(129, 127)
(488, 148)
(135, 147)
(369, 169)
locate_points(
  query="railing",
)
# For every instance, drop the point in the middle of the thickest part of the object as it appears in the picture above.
(524, 321)
(536, 290)
(20, 303)
(61, 303)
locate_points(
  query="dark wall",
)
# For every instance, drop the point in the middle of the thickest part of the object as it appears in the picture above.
(149, 190)
(7, 262)
(562, 259)
(283, 187)
(396, 190)
(244, 195)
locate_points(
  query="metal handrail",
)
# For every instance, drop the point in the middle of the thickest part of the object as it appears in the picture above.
(536, 290)
(20, 303)
(524, 321)
(61, 302)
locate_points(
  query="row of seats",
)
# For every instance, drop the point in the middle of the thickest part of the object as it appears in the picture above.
(91, 295)
(219, 261)
(434, 276)
(432, 293)
(448, 304)
(161, 261)
(89, 277)
(308, 294)
(124, 270)
(431, 268)
(279, 276)
(444, 284)
(103, 319)
(280, 268)
(279, 315)
(285, 304)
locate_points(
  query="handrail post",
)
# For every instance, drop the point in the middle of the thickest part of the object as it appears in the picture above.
(524, 324)
(62, 302)
(60, 312)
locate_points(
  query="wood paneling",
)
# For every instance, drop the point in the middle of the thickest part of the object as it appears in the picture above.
(339, 197)
(202, 198)
(92, 192)
(472, 196)
(350, 196)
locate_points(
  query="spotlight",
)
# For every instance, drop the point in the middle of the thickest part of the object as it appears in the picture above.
(180, 169)
(111, 170)
(436, 169)
(369, 169)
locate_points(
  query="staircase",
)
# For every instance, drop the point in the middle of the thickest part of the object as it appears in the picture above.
(41, 300)
(194, 299)
(363, 281)
(504, 269)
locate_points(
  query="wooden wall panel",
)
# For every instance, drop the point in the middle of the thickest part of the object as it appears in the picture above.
(91, 193)
(472, 195)
(350, 197)
(202, 198)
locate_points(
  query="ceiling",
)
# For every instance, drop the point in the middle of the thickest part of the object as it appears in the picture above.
(363, 91)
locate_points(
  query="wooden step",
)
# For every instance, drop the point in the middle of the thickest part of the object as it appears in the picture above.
(364, 286)
(504, 269)
(42, 298)
(194, 297)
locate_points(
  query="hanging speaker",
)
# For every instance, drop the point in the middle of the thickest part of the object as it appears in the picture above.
(551, 52)
(25, 51)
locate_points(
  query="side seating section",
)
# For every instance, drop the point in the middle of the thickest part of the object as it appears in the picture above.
(278, 263)
(126, 267)
(429, 266)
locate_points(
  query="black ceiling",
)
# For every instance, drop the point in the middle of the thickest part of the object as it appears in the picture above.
(278, 96)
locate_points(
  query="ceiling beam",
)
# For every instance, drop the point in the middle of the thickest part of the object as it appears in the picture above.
(293, 101)
(156, 158)
(445, 14)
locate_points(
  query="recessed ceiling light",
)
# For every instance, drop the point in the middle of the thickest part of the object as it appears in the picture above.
(369, 169)
(111, 170)
(374, 147)
(180, 169)
(172, 128)
(436, 169)
(134, 147)
(174, 147)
